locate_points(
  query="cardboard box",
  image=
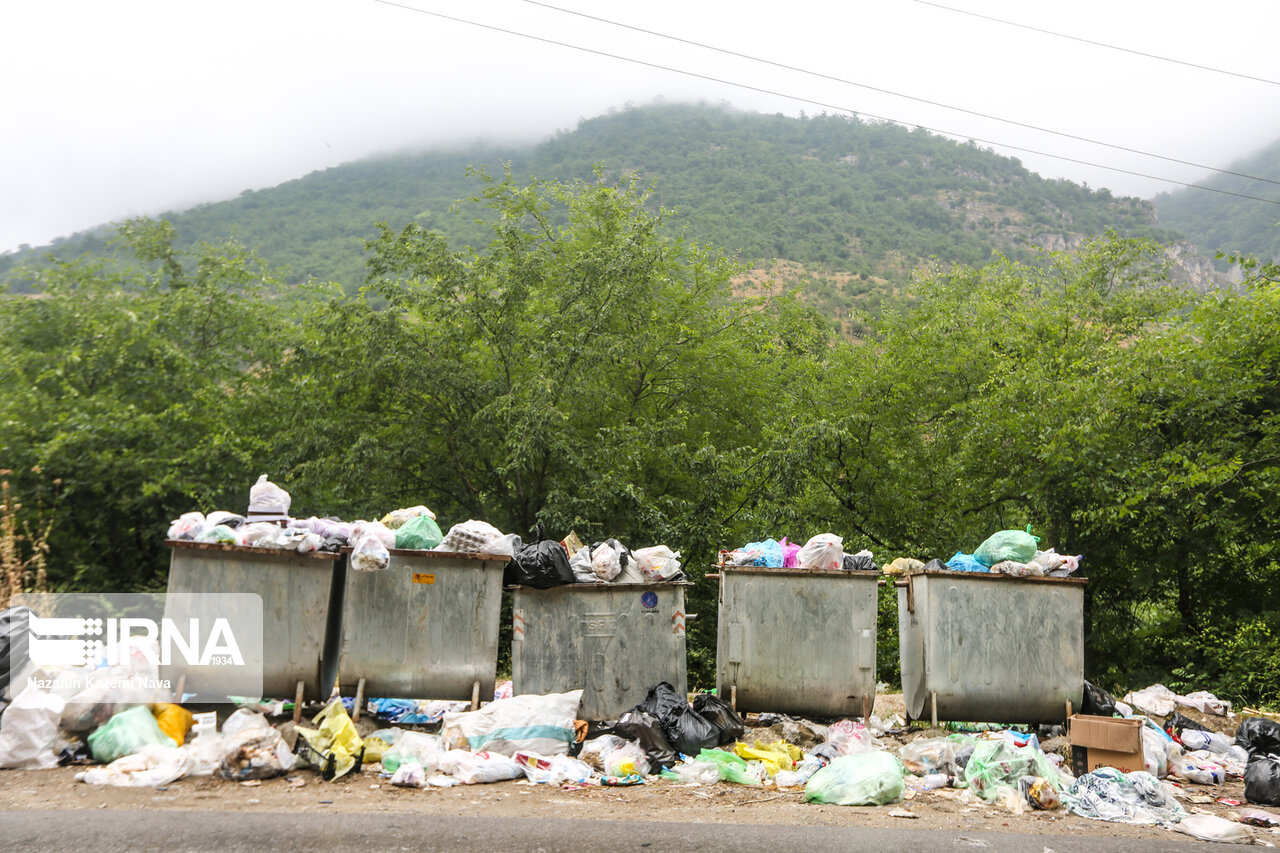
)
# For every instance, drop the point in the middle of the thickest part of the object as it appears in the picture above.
(1105, 742)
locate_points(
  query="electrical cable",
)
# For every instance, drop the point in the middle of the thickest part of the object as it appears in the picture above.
(1061, 133)
(817, 103)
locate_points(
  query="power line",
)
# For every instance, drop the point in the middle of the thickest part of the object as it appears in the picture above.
(1098, 43)
(901, 95)
(813, 102)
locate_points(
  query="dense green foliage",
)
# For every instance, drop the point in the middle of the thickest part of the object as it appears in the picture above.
(587, 367)
(857, 204)
(1223, 223)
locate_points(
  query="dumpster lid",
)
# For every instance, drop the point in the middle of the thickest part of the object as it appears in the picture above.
(771, 570)
(991, 576)
(605, 585)
(249, 549)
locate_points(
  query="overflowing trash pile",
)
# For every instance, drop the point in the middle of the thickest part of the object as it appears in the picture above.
(824, 551)
(1011, 552)
(542, 564)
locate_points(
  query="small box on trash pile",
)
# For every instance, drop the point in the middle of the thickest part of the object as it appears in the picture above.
(1104, 742)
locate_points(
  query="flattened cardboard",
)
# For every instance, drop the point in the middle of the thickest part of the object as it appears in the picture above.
(1105, 742)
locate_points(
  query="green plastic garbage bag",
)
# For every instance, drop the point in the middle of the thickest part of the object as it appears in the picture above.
(865, 779)
(126, 733)
(732, 767)
(420, 533)
(1016, 545)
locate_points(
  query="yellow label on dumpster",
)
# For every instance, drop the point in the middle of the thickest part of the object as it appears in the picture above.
(423, 577)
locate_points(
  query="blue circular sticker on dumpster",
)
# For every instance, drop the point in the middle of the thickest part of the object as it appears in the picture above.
(649, 600)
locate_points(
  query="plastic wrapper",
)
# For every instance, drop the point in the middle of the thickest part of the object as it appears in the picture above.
(938, 755)
(553, 770)
(866, 779)
(824, 551)
(335, 736)
(219, 534)
(409, 775)
(775, 756)
(698, 772)
(125, 733)
(1039, 792)
(1156, 700)
(28, 730)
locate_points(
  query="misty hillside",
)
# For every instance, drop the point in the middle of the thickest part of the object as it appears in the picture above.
(843, 206)
(1215, 222)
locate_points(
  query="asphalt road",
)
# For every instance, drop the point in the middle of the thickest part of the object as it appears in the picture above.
(166, 831)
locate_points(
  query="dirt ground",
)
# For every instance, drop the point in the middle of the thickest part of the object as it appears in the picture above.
(658, 800)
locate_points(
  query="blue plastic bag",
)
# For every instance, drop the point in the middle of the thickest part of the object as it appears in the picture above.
(768, 553)
(963, 562)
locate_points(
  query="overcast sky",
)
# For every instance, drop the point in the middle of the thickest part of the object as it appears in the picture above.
(142, 106)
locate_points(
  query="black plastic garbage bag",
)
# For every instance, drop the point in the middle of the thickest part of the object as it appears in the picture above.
(662, 701)
(540, 565)
(1259, 735)
(858, 563)
(689, 732)
(721, 715)
(645, 730)
(1177, 724)
(1262, 780)
(1097, 702)
(935, 566)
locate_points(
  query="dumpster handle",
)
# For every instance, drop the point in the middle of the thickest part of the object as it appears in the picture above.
(911, 596)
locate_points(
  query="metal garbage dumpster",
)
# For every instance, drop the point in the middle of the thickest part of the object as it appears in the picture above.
(426, 627)
(301, 619)
(614, 641)
(988, 647)
(799, 641)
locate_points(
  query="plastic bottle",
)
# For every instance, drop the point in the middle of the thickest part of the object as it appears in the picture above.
(929, 781)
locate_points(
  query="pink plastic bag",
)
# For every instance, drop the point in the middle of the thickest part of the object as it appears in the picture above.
(790, 554)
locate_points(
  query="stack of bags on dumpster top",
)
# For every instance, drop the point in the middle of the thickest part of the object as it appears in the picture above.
(547, 563)
(824, 551)
(1011, 552)
(267, 524)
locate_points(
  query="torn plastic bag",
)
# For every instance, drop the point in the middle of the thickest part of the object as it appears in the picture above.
(125, 733)
(334, 742)
(28, 730)
(720, 714)
(824, 551)
(1212, 828)
(866, 779)
(1137, 797)
(1156, 700)
(1097, 702)
(1039, 792)
(615, 756)
(541, 565)
(732, 767)
(644, 729)
(1262, 780)
(1259, 735)
(255, 753)
(420, 533)
(153, 765)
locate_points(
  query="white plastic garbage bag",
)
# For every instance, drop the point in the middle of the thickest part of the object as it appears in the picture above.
(824, 551)
(478, 768)
(1210, 828)
(530, 723)
(28, 729)
(472, 536)
(1156, 700)
(267, 501)
(658, 563)
(155, 765)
